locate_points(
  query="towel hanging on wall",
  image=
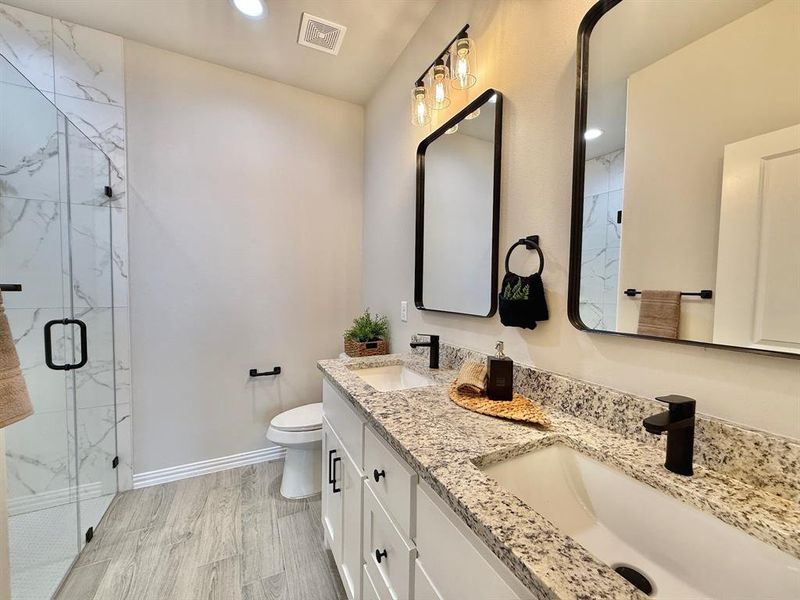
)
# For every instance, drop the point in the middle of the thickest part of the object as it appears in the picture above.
(522, 302)
(660, 314)
(15, 404)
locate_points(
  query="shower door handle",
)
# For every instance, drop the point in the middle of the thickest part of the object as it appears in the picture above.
(48, 345)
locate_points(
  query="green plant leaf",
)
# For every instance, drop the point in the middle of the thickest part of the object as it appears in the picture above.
(366, 328)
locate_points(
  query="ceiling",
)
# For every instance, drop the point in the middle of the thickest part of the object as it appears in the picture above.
(212, 30)
(634, 35)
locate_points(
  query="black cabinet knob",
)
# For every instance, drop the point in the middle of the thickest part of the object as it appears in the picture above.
(380, 555)
(378, 474)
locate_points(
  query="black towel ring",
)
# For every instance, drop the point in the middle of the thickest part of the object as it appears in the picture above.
(531, 243)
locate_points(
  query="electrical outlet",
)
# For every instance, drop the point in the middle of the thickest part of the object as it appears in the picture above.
(404, 311)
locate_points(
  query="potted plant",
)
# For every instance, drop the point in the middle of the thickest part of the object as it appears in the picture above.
(368, 336)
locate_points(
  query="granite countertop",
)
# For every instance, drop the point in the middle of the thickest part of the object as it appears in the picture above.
(446, 444)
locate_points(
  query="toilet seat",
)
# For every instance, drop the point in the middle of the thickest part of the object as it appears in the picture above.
(302, 418)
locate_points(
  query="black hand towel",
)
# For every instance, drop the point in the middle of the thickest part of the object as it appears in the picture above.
(522, 301)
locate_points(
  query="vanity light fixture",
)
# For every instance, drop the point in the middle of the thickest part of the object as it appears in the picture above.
(455, 62)
(453, 129)
(592, 134)
(254, 9)
(473, 115)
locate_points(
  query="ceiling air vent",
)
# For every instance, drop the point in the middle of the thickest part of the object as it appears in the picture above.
(321, 34)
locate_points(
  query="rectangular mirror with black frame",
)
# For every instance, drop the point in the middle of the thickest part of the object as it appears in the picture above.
(458, 204)
(686, 174)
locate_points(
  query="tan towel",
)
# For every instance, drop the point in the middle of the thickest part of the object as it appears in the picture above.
(15, 404)
(660, 313)
(472, 378)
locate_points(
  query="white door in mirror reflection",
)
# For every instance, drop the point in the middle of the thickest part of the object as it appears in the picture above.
(758, 264)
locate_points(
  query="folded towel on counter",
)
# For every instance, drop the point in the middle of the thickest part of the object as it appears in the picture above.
(15, 404)
(472, 379)
(660, 313)
(522, 301)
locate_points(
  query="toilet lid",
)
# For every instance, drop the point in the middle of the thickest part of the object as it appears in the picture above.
(302, 418)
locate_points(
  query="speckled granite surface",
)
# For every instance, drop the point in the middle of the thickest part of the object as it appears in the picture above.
(446, 444)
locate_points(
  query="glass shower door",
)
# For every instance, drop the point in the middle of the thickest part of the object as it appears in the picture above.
(55, 240)
(41, 469)
(91, 301)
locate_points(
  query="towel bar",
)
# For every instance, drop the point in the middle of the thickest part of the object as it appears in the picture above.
(705, 294)
(10, 287)
(255, 373)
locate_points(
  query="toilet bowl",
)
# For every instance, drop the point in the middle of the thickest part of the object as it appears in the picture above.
(299, 430)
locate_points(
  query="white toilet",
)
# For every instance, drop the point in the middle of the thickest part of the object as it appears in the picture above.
(299, 430)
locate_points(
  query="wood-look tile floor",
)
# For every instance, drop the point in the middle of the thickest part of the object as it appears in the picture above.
(226, 536)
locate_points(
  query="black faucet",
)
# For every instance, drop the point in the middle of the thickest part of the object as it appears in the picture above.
(678, 423)
(433, 344)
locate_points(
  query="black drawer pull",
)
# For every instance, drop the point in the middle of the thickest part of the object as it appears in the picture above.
(335, 489)
(378, 474)
(379, 556)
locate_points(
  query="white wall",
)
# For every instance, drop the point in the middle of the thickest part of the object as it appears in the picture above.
(459, 204)
(527, 51)
(245, 240)
(735, 83)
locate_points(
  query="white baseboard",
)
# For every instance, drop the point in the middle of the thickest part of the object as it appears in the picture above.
(203, 467)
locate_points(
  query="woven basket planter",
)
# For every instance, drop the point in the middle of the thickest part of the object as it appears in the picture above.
(375, 348)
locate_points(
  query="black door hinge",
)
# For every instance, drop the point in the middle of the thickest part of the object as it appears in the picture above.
(89, 534)
(115, 462)
(109, 191)
(619, 216)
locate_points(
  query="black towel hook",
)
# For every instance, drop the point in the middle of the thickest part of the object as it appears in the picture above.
(531, 242)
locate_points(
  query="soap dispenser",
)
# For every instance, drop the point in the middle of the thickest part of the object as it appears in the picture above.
(500, 375)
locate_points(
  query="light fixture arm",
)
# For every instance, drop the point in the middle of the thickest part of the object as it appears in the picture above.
(441, 55)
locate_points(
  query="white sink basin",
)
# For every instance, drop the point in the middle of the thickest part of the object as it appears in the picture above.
(393, 377)
(683, 552)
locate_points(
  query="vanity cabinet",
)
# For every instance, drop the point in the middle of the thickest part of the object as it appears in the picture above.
(391, 537)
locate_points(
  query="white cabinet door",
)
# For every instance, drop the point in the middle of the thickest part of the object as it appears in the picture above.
(351, 485)
(341, 509)
(331, 490)
(456, 563)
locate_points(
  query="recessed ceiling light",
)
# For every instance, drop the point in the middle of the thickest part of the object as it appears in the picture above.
(592, 134)
(255, 9)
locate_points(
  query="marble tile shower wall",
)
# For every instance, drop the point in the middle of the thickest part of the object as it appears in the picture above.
(601, 240)
(81, 71)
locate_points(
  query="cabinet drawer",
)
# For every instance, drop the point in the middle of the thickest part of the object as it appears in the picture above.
(345, 422)
(457, 563)
(370, 590)
(392, 480)
(423, 588)
(389, 558)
